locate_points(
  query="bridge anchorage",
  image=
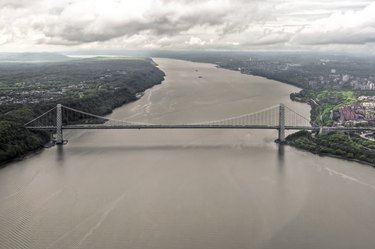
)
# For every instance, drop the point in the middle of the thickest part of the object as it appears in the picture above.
(62, 118)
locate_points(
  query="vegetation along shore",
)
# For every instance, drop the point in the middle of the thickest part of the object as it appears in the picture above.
(96, 85)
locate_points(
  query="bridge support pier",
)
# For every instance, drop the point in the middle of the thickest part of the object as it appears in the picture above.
(281, 123)
(59, 133)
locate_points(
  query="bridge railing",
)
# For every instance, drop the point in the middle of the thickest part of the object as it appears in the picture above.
(62, 117)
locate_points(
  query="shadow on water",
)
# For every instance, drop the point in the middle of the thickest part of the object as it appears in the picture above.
(60, 154)
(156, 147)
(281, 156)
(281, 171)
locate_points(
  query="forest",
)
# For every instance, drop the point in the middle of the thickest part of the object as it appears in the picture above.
(103, 85)
(344, 145)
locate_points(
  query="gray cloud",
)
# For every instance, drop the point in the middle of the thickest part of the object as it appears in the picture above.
(172, 21)
(185, 23)
(352, 27)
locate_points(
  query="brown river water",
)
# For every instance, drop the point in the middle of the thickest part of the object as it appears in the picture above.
(171, 189)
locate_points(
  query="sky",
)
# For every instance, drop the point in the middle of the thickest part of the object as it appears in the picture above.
(68, 25)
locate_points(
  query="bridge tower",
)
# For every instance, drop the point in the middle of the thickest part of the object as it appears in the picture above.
(59, 132)
(281, 123)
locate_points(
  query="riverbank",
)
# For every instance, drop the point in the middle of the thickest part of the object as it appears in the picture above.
(25, 156)
(335, 156)
(16, 141)
(357, 150)
(335, 144)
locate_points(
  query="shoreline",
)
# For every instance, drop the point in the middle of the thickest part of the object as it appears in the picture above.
(333, 156)
(334, 145)
(156, 78)
(311, 106)
(30, 154)
(263, 76)
(48, 145)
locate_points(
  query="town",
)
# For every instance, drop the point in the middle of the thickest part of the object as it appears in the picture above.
(74, 79)
(360, 113)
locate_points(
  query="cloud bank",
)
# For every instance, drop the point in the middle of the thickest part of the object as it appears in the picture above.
(186, 24)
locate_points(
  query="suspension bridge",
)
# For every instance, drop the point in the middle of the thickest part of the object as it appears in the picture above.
(278, 117)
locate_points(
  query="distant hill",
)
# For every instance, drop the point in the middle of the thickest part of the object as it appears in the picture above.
(32, 57)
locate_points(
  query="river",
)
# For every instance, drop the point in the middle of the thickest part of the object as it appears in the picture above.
(188, 189)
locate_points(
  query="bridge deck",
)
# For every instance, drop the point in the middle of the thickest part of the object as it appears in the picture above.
(174, 126)
(177, 126)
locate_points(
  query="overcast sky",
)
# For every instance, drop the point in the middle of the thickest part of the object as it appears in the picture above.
(36, 25)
